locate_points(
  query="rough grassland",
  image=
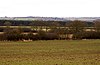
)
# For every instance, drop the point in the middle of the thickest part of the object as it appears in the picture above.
(65, 52)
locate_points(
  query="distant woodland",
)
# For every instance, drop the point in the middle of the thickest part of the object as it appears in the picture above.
(18, 30)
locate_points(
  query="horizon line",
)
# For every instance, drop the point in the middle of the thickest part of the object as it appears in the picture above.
(53, 16)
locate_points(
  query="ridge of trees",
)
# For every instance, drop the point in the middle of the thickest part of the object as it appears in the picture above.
(76, 28)
(35, 23)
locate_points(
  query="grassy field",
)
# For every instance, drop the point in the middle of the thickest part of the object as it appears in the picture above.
(64, 52)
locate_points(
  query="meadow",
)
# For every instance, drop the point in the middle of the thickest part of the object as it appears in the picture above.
(52, 52)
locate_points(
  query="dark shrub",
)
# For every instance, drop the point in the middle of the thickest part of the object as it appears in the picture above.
(87, 35)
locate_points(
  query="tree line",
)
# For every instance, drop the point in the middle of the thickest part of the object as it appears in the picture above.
(58, 30)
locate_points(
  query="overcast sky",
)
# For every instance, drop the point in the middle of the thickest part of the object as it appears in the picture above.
(50, 8)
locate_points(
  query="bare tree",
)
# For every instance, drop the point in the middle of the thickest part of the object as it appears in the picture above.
(76, 26)
(7, 23)
(97, 25)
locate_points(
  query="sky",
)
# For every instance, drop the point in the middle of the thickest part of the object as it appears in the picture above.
(50, 8)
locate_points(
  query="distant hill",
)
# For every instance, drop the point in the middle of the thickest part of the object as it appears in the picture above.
(34, 18)
(30, 18)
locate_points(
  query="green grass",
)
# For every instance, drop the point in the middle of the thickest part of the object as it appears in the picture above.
(64, 52)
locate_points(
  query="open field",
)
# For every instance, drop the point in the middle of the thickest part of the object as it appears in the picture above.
(64, 52)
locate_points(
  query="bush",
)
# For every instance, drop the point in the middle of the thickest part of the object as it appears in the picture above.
(51, 36)
(29, 36)
(47, 36)
(87, 35)
(12, 35)
(2, 37)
